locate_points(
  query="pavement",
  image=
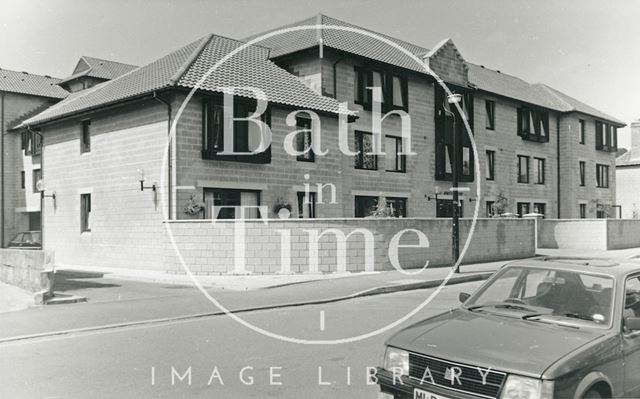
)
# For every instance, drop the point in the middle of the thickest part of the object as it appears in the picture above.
(13, 298)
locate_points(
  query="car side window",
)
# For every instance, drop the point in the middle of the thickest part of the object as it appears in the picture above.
(632, 297)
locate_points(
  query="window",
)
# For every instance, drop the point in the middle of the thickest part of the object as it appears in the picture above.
(365, 205)
(22, 180)
(396, 162)
(632, 295)
(602, 176)
(539, 170)
(247, 135)
(31, 142)
(583, 168)
(540, 208)
(601, 213)
(444, 137)
(303, 140)
(533, 124)
(523, 208)
(583, 211)
(393, 86)
(582, 133)
(398, 206)
(37, 175)
(365, 159)
(491, 162)
(85, 139)
(223, 203)
(606, 137)
(489, 208)
(490, 118)
(85, 212)
(523, 169)
(306, 205)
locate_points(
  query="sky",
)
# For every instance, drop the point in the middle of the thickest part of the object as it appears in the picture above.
(588, 49)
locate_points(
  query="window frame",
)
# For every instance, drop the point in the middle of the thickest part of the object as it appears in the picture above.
(536, 163)
(85, 136)
(403, 200)
(602, 179)
(540, 117)
(23, 180)
(36, 174)
(582, 173)
(301, 123)
(356, 208)
(85, 213)
(311, 206)
(606, 137)
(528, 174)
(582, 211)
(211, 141)
(489, 209)
(519, 209)
(400, 158)
(539, 205)
(491, 165)
(360, 156)
(490, 114)
(582, 131)
(363, 78)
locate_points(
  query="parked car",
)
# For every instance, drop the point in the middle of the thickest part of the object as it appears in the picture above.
(550, 328)
(27, 240)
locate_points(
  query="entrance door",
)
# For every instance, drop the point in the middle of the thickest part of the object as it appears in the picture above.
(227, 203)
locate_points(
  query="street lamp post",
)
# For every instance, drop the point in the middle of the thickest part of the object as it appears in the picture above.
(453, 99)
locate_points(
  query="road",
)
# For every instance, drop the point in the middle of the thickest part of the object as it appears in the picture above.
(217, 357)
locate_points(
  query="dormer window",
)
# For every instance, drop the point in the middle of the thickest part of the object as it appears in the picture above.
(533, 124)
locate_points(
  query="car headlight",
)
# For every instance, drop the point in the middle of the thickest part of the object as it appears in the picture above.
(396, 360)
(518, 387)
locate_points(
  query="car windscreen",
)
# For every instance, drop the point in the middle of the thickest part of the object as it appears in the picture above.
(551, 294)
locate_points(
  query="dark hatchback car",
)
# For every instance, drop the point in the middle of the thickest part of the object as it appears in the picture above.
(26, 240)
(549, 328)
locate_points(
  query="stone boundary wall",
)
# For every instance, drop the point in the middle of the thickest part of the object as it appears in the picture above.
(208, 248)
(28, 269)
(590, 234)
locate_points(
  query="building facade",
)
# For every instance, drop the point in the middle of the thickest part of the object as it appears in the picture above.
(628, 176)
(126, 155)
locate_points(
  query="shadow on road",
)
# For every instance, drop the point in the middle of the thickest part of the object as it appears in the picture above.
(70, 280)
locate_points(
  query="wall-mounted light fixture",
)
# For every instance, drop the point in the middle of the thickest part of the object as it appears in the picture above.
(142, 186)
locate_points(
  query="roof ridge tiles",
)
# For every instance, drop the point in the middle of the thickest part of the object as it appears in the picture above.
(187, 64)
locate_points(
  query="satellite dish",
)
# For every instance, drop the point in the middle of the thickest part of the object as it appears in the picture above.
(40, 185)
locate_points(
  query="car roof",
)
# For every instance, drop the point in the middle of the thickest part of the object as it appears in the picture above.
(612, 267)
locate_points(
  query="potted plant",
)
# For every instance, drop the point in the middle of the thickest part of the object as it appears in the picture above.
(193, 207)
(282, 208)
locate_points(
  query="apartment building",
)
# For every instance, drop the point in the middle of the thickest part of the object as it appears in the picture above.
(117, 174)
(22, 95)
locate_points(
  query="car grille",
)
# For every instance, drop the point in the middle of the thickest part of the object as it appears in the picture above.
(470, 377)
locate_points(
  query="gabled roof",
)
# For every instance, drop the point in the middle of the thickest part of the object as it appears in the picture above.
(369, 47)
(185, 67)
(27, 83)
(99, 68)
(349, 40)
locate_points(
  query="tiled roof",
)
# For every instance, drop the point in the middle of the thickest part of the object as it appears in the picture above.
(350, 41)
(369, 47)
(185, 67)
(27, 83)
(571, 104)
(629, 158)
(98, 68)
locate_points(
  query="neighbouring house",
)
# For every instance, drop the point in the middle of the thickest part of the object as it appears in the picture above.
(22, 95)
(90, 71)
(628, 176)
(542, 150)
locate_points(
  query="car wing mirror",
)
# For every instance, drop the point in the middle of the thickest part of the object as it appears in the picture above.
(463, 296)
(632, 323)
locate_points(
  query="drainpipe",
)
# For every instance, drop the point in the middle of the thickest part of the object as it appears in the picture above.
(2, 168)
(169, 159)
(558, 166)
